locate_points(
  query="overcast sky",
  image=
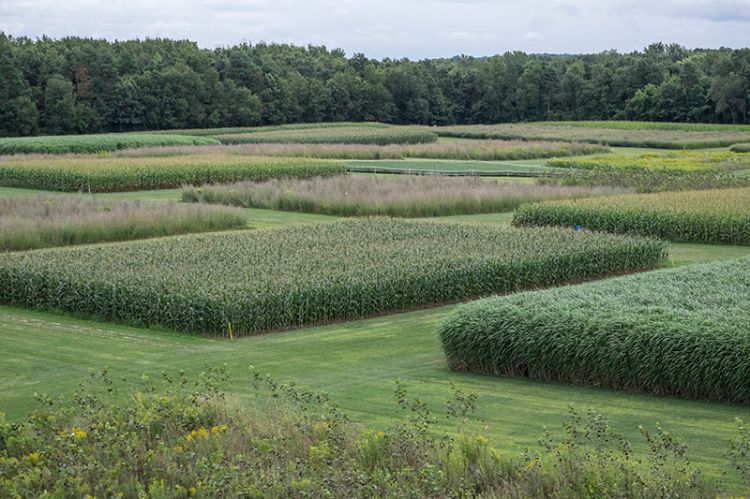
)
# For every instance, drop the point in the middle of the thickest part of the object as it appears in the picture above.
(396, 28)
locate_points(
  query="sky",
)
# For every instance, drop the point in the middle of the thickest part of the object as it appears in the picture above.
(396, 28)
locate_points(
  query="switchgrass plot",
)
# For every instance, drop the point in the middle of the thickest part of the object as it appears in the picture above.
(673, 332)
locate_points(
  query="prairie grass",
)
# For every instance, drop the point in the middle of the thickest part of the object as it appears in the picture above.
(648, 181)
(682, 161)
(618, 134)
(650, 125)
(720, 216)
(408, 196)
(677, 332)
(44, 221)
(479, 150)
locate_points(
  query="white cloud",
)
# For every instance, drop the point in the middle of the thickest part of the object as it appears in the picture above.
(396, 28)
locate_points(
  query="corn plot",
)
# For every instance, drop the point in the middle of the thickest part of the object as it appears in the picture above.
(111, 174)
(56, 144)
(333, 135)
(281, 278)
(673, 332)
(720, 216)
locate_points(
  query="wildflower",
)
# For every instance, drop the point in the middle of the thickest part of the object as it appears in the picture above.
(75, 433)
(219, 429)
(78, 433)
(199, 433)
(33, 458)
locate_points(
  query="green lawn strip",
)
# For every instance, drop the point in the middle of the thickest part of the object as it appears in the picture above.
(357, 363)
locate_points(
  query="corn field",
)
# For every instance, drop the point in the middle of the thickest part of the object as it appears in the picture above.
(274, 279)
(333, 135)
(110, 174)
(720, 216)
(677, 332)
(58, 144)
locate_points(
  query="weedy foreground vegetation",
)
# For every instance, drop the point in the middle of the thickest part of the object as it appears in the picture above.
(189, 438)
(263, 280)
(710, 216)
(413, 196)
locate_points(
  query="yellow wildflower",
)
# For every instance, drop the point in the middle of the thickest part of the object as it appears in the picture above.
(33, 459)
(196, 434)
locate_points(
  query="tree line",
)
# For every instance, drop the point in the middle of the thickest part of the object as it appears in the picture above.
(82, 85)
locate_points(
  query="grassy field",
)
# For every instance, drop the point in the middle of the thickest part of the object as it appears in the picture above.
(620, 133)
(484, 150)
(357, 363)
(390, 195)
(53, 220)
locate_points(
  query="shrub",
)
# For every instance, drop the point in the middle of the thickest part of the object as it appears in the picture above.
(42, 221)
(56, 144)
(131, 174)
(273, 279)
(712, 216)
(333, 135)
(672, 332)
(408, 196)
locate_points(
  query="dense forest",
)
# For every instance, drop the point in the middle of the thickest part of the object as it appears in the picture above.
(76, 85)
